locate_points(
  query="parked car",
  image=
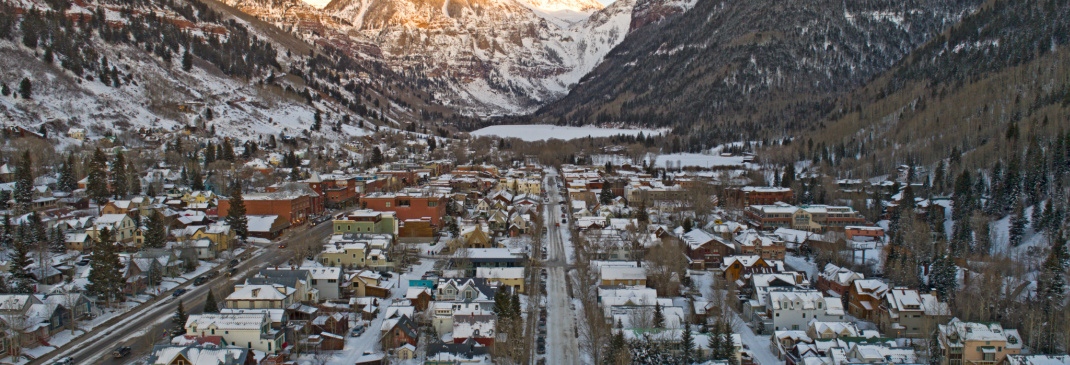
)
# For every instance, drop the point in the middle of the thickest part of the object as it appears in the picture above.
(178, 293)
(283, 245)
(121, 352)
(199, 280)
(356, 331)
(541, 349)
(64, 361)
(564, 221)
(232, 272)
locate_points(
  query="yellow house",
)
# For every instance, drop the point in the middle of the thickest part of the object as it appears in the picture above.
(406, 352)
(975, 343)
(351, 254)
(510, 276)
(197, 197)
(121, 226)
(219, 234)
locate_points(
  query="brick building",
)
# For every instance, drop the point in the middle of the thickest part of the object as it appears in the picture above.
(764, 195)
(409, 206)
(292, 203)
(337, 190)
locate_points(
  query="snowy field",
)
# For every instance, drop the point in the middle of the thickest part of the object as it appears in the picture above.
(696, 160)
(539, 132)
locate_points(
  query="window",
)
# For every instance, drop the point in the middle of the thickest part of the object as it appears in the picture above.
(432, 203)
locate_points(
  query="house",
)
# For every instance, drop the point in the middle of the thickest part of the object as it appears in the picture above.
(298, 279)
(406, 352)
(366, 221)
(404, 331)
(617, 275)
(793, 309)
(408, 206)
(830, 330)
(464, 289)
(344, 254)
(907, 313)
(200, 355)
(418, 297)
(121, 227)
(512, 277)
(367, 283)
(220, 234)
(706, 250)
(473, 236)
(328, 281)
(457, 353)
(206, 249)
(972, 343)
(836, 280)
(260, 297)
(865, 298)
(478, 327)
(266, 226)
(736, 267)
(249, 330)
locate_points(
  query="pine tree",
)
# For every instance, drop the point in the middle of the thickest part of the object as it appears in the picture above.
(210, 305)
(789, 176)
(944, 277)
(180, 317)
(1018, 222)
(606, 196)
(1051, 285)
(68, 181)
(236, 214)
(514, 306)
(119, 178)
(155, 231)
(377, 157)
(501, 302)
(317, 122)
(187, 61)
(25, 89)
(105, 275)
(22, 280)
(97, 183)
(196, 181)
(135, 180)
(659, 317)
(228, 150)
(58, 242)
(24, 182)
(715, 341)
(687, 345)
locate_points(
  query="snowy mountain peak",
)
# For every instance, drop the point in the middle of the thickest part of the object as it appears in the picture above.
(560, 5)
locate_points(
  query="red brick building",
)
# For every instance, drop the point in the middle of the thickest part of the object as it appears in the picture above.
(763, 195)
(293, 203)
(337, 190)
(409, 206)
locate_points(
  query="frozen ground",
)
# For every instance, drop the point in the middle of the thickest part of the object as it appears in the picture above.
(538, 132)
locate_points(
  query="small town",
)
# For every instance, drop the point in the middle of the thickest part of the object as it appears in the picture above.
(179, 247)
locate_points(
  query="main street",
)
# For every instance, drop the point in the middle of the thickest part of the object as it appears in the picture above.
(144, 327)
(562, 346)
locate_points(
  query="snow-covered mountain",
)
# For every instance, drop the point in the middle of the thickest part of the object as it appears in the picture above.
(484, 57)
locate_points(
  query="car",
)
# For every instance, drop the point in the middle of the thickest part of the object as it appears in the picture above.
(545, 256)
(564, 221)
(122, 351)
(541, 340)
(233, 263)
(199, 280)
(541, 349)
(557, 224)
(178, 293)
(232, 272)
(64, 361)
(282, 245)
(356, 331)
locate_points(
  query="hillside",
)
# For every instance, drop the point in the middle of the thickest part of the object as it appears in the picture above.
(751, 65)
(989, 86)
(133, 65)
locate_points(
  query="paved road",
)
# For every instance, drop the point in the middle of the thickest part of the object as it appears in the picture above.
(141, 329)
(562, 346)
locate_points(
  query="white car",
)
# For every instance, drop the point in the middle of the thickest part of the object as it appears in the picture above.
(64, 361)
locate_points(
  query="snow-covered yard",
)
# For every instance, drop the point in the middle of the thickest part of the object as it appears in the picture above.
(539, 132)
